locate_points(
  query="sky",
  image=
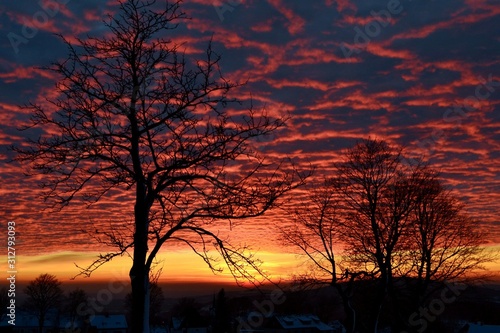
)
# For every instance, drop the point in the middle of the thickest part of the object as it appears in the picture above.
(424, 74)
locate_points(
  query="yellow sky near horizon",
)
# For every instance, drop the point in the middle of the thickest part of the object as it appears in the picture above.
(178, 266)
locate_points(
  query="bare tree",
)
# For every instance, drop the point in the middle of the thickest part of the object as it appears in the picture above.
(375, 188)
(133, 113)
(315, 229)
(75, 302)
(390, 221)
(221, 317)
(156, 303)
(44, 293)
(444, 242)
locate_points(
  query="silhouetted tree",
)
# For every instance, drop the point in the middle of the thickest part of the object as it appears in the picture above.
(221, 315)
(315, 230)
(44, 293)
(444, 241)
(387, 220)
(156, 301)
(376, 188)
(132, 113)
(76, 301)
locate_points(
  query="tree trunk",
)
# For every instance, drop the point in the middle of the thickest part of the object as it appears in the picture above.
(139, 274)
(140, 313)
(41, 321)
(381, 294)
(348, 309)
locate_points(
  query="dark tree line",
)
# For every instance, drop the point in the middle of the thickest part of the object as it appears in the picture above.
(44, 294)
(378, 218)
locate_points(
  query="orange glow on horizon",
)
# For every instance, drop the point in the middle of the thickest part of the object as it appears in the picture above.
(180, 266)
(177, 266)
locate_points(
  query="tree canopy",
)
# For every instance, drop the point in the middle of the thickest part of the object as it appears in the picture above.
(133, 113)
